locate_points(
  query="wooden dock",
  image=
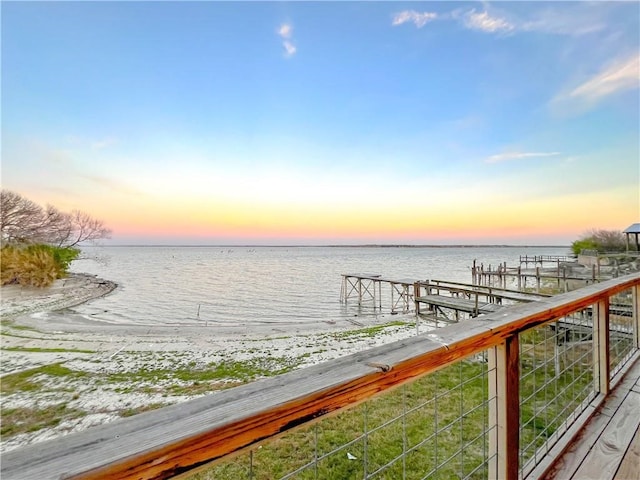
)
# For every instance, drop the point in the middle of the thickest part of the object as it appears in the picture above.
(561, 275)
(442, 296)
(366, 288)
(407, 295)
(495, 294)
(540, 260)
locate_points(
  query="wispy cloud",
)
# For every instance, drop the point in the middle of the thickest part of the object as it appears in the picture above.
(417, 18)
(508, 156)
(285, 32)
(623, 74)
(485, 22)
(470, 19)
(619, 75)
(569, 19)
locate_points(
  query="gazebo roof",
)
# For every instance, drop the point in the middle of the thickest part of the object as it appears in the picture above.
(635, 228)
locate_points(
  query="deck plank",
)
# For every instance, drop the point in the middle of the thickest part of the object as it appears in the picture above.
(567, 464)
(603, 460)
(630, 466)
(564, 465)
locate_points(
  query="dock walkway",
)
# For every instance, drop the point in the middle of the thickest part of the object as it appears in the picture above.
(459, 304)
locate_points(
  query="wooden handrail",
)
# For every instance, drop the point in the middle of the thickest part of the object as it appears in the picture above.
(171, 440)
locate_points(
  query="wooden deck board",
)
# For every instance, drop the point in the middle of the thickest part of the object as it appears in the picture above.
(630, 466)
(605, 457)
(601, 448)
(566, 465)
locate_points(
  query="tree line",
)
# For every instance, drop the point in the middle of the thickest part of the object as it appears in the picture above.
(39, 243)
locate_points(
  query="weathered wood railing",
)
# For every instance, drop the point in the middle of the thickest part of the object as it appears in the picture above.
(176, 439)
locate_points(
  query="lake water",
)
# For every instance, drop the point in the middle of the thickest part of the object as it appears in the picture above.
(263, 285)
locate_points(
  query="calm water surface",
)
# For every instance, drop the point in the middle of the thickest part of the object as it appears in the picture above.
(263, 285)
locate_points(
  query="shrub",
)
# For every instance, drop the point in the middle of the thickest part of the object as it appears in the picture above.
(35, 265)
(600, 241)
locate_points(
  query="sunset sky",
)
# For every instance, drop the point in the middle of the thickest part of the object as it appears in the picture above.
(328, 122)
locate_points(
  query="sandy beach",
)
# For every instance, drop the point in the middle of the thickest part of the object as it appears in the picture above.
(76, 372)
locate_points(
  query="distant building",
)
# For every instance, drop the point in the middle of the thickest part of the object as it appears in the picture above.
(633, 230)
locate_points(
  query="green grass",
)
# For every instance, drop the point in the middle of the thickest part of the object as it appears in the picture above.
(242, 371)
(440, 393)
(32, 380)
(183, 380)
(25, 420)
(368, 331)
(452, 401)
(6, 323)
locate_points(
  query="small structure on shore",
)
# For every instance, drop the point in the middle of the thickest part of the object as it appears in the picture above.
(635, 231)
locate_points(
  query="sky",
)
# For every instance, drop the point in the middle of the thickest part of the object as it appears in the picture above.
(326, 122)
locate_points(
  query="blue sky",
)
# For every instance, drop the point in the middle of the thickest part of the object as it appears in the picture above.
(326, 122)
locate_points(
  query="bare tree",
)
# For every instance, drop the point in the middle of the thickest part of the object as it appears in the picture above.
(81, 227)
(23, 221)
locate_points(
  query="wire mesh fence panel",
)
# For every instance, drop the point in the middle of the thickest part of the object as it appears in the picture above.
(621, 330)
(435, 427)
(556, 382)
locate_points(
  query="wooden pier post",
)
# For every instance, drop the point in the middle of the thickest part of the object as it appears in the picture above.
(473, 273)
(504, 285)
(520, 278)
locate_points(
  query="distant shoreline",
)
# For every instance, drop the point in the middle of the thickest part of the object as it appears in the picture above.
(372, 245)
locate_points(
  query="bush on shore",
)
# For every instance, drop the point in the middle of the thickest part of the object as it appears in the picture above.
(600, 241)
(35, 265)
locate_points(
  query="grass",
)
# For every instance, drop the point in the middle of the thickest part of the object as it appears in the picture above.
(402, 419)
(5, 323)
(25, 420)
(242, 371)
(32, 380)
(368, 331)
(184, 380)
(440, 420)
(443, 431)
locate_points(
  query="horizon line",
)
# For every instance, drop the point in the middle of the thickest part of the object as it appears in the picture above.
(363, 245)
